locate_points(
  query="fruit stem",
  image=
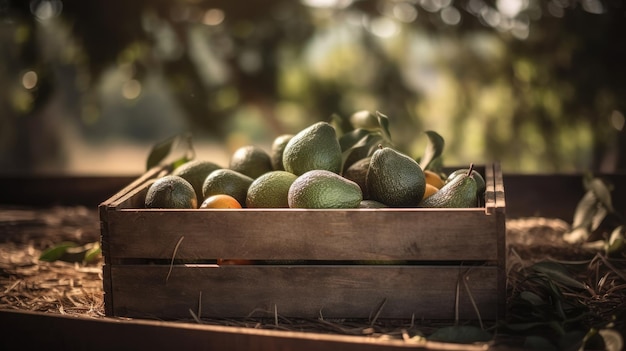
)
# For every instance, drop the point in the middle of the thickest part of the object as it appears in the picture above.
(471, 168)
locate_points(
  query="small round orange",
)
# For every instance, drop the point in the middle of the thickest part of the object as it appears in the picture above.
(220, 201)
(430, 189)
(433, 179)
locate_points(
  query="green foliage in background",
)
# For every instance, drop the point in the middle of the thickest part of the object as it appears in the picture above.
(535, 84)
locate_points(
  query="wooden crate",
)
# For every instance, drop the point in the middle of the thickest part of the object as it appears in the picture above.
(401, 263)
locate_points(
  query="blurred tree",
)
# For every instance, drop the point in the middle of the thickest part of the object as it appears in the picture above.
(536, 84)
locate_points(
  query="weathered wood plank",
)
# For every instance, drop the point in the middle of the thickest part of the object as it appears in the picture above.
(38, 331)
(363, 234)
(303, 291)
(58, 189)
(435, 238)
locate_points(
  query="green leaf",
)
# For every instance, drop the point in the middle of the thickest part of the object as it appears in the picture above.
(572, 340)
(56, 252)
(616, 241)
(585, 210)
(526, 326)
(602, 192)
(383, 121)
(531, 297)
(350, 139)
(577, 235)
(337, 122)
(93, 252)
(362, 149)
(597, 245)
(365, 119)
(613, 340)
(598, 217)
(463, 334)
(557, 273)
(535, 342)
(161, 150)
(434, 150)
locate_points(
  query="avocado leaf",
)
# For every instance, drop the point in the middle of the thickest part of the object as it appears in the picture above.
(383, 121)
(434, 150)
(71, 252)
(351, 138)
(54, 253)
(601, 192)
(557, 273)
(161, 150)
(365, 147)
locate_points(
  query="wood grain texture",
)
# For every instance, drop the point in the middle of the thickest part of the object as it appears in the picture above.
(444, 242)
(303, 291)
(464, 234)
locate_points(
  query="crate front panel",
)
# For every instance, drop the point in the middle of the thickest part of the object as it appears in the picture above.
(303, 291)
(363, 234)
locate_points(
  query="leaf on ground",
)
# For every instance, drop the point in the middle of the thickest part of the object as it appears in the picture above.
(613, 340)
(56, 252)
(93, 252)
(557, 273)
(597, 245)
(598, 217)
(572, 340)
(525, 326)
(616, 240)
(532, 298)
(602, 192)
(535, 342)
(71, 252)
(463, 334)
(585, 210)
(577, 235)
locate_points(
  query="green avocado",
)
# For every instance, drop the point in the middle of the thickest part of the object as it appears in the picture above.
(460, 192)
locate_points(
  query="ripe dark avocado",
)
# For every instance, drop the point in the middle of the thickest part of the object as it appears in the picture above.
(395, 179)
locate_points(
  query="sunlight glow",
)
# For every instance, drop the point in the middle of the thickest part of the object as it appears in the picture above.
(339, 4)
(404, 12)
(511, 8)
(593, 6)
(29, 80)
(384, 27)
(213, 17)
(451, 16)
(555, 9)
(618, 120)
(131, 89)
(46, 9)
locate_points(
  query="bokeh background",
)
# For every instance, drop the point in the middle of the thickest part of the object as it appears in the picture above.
(87, 87)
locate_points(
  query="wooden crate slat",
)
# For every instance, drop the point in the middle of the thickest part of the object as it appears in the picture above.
(443, 241)
(368, 234)
(303, 291)
(499, 187)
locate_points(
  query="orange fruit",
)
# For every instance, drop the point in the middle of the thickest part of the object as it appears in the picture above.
(430, 189)
(433, 179)
(220, 201)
